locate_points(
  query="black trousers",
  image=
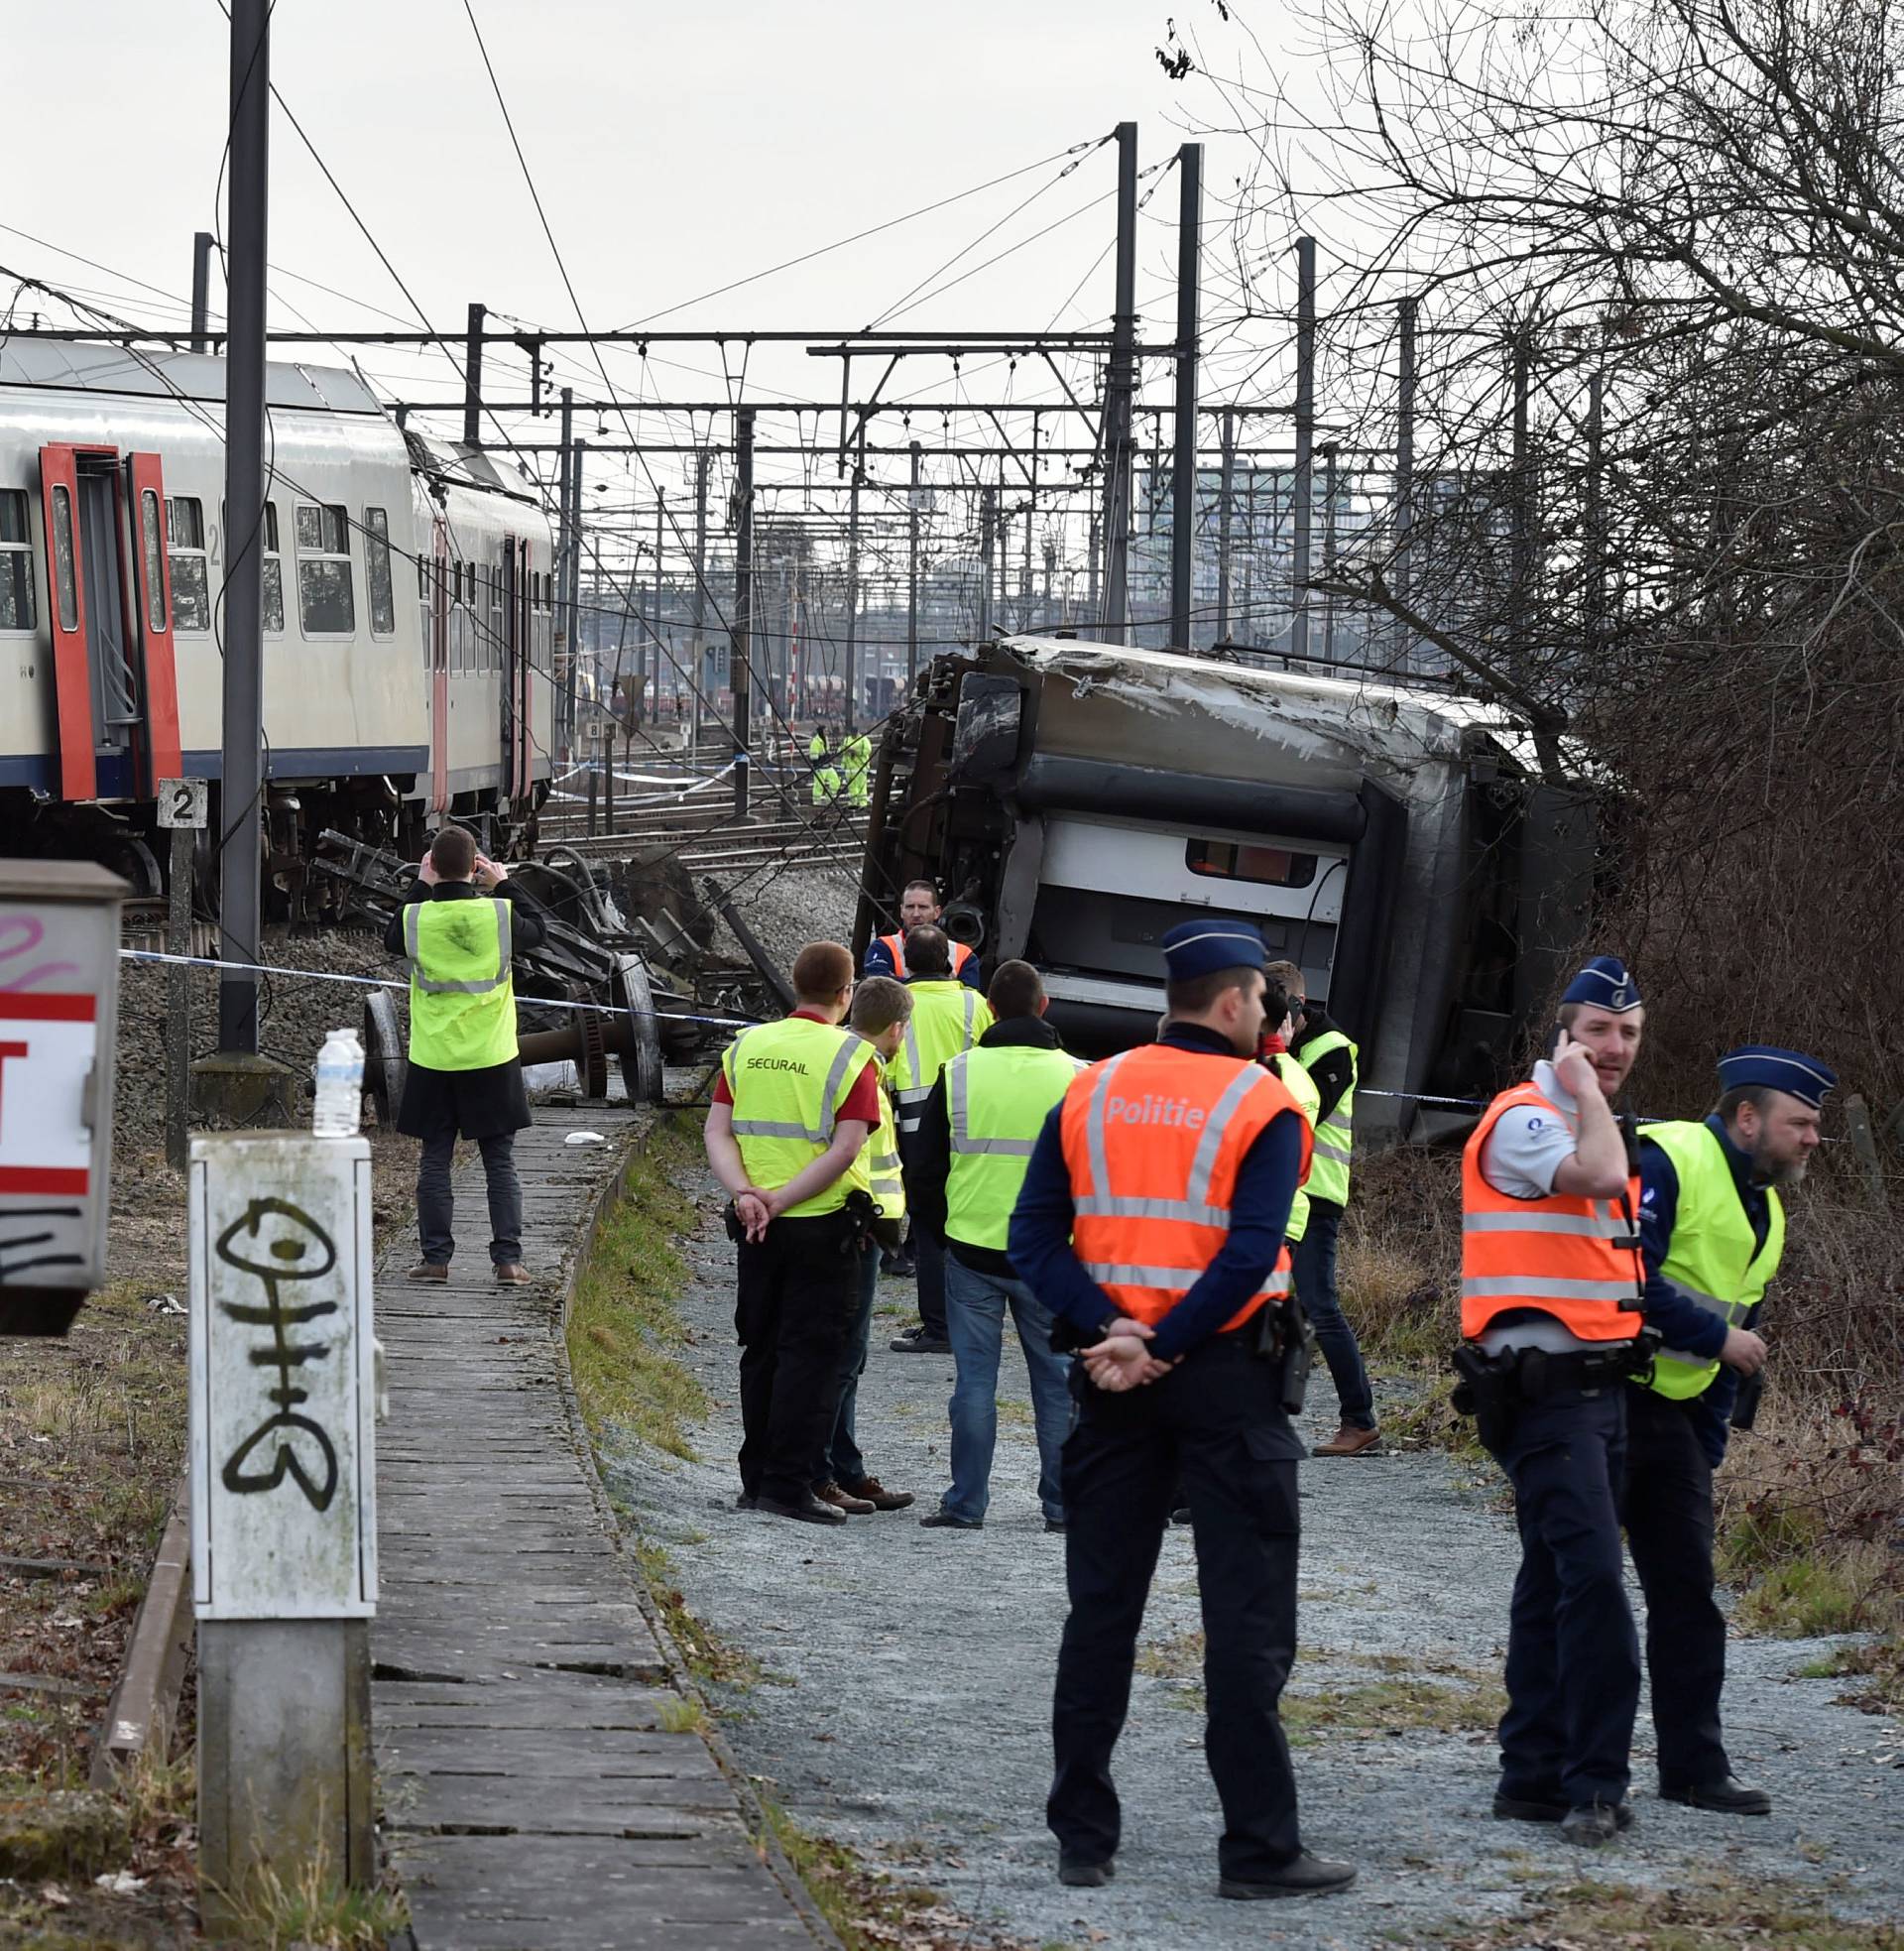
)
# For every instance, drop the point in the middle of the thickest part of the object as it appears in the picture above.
(1667, 1507)
(1217, 1421)
(792, 1312)
(1573, 1660)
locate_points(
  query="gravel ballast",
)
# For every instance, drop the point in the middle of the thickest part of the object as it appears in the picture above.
(909, 1682)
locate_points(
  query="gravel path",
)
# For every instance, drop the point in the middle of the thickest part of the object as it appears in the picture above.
(911, 1674)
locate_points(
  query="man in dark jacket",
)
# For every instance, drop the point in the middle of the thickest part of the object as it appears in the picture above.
(461, 924)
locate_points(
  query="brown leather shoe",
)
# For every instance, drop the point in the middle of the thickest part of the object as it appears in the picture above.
(429, 1270)
(1348, 1441)
(854, 1507)
(512, 1274)
(877, 1497)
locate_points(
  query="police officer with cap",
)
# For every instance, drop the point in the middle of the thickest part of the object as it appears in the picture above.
(1152, 1220)
(1551, 1327)
(1711, 1228)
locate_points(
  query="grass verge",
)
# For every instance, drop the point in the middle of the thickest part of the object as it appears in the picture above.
(622, 1326)
(869, 1910)
(1711, 1914)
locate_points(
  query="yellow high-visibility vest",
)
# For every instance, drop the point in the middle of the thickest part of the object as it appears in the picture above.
(875, 1171)
(1712, 1256)
(947, 1017)
(996, 1101)
(462, 1001)
(788, 1080)
(1302, 1087)
(1335, 1134)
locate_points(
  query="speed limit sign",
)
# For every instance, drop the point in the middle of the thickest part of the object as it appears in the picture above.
(182, 802)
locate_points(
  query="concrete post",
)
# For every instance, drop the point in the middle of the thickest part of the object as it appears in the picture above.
(284, 1547)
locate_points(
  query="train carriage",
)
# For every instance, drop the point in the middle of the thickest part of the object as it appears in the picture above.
(408, 597)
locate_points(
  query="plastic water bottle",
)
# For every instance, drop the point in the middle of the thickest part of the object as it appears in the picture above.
(341, 1086)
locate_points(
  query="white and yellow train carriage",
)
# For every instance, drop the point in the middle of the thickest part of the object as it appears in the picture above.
(408, 627)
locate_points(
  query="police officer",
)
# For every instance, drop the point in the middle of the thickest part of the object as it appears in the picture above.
(919, 909)
(969, 1155)
(794, 1104)
(1550, 1319)
(947, 1018)
(1151, 1219)
(1328, 1055)
(459, 924)
(1711, 1228)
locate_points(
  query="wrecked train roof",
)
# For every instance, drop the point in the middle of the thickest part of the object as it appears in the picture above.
(1107, 700)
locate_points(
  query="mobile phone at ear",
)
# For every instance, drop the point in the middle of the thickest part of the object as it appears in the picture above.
(1555, 1032)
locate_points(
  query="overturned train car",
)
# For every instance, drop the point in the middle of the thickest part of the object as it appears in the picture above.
(1075, 801)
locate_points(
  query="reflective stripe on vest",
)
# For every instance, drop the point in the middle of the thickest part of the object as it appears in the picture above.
(1712, 1256)
(1302, 1087)
(462, 1001)
(997, 1102)
(921, 1059)
(1153, 1138)
(894, 946)
(1577, 1260)
(876, 1170)
(1335, 1135)
(787, 1080)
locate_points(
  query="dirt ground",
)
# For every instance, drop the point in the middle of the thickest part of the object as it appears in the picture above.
(903, 1708)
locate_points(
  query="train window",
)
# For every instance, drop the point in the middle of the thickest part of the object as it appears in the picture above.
(383, 597)
(152, 532)
(326, 596)
(15, 563)
(62, 561)
(190, 567)
(496, 638)
(1236, 860)
(273, 573)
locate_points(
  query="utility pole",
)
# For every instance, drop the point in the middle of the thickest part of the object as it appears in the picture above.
(1183, 483)
(912, 570)
(1596, 506)
(741, 623)
(1304, 484)
(987, 518)
(1524, 488)
(642, 658)
(565, 546)
(1121, 382)
(1091, 589)
(577, 448)
(700, 598)
(473, 377)
(851, 720)
(1404, 489)
(200, 289)
(242, 780)
(1225, 489)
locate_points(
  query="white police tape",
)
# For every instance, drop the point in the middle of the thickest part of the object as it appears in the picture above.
(401, 982)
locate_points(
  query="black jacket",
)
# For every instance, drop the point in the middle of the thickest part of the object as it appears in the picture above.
(928, 1157)
(474, 1103)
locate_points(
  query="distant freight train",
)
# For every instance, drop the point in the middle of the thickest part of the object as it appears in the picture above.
(409, 612)
(1074, 801)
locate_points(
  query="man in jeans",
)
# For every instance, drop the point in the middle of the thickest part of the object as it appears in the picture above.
(974, 1142)
(1323, 1051)
(458, 927)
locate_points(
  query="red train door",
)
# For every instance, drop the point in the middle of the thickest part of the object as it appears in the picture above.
(159, 745)
(66, 590)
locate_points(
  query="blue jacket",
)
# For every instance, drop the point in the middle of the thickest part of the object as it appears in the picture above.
(1040, 1237)
(1684, 1323)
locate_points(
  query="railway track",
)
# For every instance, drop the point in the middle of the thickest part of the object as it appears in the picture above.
(719, 846)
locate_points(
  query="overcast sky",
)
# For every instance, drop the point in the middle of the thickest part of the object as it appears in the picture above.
(676, 148)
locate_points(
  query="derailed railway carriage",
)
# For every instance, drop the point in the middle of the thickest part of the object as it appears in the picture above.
(409, 621)
(1075, 801)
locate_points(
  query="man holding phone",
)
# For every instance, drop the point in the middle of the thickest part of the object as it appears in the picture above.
(1551, 1328)
(458, 928)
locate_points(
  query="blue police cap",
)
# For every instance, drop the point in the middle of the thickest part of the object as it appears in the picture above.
(1198, 948)
(1606, 984)
(1764, 1066)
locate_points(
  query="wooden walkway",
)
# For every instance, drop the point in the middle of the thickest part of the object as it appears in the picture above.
(533, 1800)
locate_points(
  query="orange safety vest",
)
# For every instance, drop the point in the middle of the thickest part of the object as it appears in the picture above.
(1577, 1260)
(894, 946)
(1153, 1138)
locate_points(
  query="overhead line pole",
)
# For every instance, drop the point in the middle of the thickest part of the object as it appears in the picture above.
(241, 778)
(853, 598)
(740, 674)
(473, 377)
(912, 571)
(1226, 490)
(201, 290)
(1183, 472)
(1119, 388)
(1303, 512)
(700, 598)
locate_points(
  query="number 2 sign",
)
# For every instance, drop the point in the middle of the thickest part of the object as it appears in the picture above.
(182, 802)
